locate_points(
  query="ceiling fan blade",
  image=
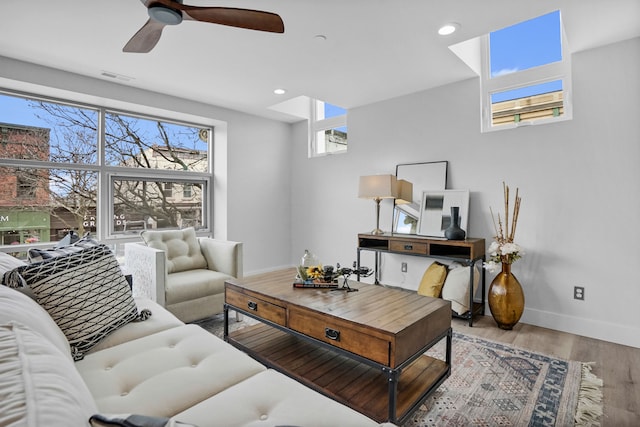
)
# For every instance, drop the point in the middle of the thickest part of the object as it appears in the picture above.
(146, 38)
(241, 18)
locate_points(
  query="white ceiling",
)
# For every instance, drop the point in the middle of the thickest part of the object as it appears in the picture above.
(374, 49)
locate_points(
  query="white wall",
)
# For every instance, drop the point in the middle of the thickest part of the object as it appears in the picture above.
(252, 155)
(579, 180)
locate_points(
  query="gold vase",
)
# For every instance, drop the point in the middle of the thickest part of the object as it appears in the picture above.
(506, 299)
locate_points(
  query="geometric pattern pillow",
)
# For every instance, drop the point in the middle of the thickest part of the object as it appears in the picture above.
(85, 293)
(37, 255)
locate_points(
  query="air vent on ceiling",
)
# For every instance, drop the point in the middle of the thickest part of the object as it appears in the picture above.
(116, 76)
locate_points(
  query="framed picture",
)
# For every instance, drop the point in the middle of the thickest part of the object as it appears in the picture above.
(435, 211)
(423, 176)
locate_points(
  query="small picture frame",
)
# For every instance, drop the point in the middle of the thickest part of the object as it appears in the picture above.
(435, 211)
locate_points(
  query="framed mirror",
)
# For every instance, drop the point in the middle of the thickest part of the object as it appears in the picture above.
(424, 177)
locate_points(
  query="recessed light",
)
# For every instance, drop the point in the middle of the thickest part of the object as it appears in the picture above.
(279, 91)
(448, 29)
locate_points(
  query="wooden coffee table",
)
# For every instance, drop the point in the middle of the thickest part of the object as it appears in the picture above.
(364, 349)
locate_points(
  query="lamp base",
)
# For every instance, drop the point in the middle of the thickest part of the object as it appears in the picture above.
(377, 232)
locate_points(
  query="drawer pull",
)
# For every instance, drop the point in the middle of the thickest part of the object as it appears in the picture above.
(252, 305)
(408, 247)
(332, 334)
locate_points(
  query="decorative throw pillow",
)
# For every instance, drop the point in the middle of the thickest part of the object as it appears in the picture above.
(37, 255)
(432, 280)
(85, 293)
(40, 386)
(181, 247)
(7, 264)
(456, 288)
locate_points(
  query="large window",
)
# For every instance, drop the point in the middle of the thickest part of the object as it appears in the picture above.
(327, 128)
(526, 74)
(83, 168)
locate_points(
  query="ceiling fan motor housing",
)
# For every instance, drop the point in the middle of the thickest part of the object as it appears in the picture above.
(165, 14)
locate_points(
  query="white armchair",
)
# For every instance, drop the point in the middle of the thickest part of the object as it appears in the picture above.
(183, 273)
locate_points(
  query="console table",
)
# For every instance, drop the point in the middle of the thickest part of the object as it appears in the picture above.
(349, 346)
(468, 252)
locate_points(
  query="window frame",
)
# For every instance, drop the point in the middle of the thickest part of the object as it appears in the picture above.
(203, 180)
(104, 223)
(317, 125)
(560, 70)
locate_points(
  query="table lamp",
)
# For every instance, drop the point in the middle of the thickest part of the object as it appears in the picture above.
(405, 192)
(378, 187)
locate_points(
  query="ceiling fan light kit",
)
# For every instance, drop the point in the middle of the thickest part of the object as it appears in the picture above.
(173, 12)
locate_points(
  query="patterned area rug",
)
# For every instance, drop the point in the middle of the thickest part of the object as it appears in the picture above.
(493, 384)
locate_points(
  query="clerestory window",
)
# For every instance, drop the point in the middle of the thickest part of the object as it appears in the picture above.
(327, 129)
(526, 74)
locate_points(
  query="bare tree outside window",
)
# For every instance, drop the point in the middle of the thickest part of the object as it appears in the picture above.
(67, 136)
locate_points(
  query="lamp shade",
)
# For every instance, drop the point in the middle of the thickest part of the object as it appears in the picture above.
(405, 192)
(378, 187)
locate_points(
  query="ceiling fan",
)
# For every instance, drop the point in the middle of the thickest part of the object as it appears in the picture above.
(172, 12)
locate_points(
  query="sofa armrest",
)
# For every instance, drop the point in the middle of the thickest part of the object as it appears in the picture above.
(148, 268)
(223, 255)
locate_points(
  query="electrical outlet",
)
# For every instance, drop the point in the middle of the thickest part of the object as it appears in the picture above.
(578, 292)
(403, 267)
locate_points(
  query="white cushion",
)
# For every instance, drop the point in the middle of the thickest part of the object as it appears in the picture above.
(15, 306)
(8, 262)
(181, 247)
(161, 320)
(456, 288)
(164, 373)
(193, 284)
(39, 385)
(272, 399)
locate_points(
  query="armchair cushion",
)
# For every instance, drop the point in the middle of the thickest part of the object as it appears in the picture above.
(201, 283)
(181, 247)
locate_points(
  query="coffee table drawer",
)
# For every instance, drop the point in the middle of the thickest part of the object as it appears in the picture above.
(339, 333)
(259, 307)
(408, 247)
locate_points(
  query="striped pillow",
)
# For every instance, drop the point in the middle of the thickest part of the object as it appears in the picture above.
(37, 255)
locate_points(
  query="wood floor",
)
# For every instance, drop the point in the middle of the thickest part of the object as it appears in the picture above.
(617, 365)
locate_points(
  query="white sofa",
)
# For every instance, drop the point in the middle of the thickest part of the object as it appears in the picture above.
(158, 367)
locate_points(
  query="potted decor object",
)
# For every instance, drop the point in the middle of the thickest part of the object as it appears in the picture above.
(506, 298)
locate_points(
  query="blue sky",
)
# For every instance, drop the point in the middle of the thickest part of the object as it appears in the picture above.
(523, 46)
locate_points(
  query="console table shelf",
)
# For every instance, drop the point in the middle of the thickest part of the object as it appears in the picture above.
(467, 252)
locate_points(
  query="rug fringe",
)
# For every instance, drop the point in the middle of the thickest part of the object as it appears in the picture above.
(589, 408)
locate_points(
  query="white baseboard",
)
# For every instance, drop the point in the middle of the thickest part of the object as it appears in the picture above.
(612, 332)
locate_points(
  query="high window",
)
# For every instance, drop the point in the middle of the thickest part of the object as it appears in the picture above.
(78, 167)
(526, 74)
(327, 129)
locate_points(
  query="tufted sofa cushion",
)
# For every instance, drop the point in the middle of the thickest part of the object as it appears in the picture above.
(272, 399)
(181, 246)
(134, 376)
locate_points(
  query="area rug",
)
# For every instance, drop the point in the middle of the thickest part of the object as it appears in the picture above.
(493, 384)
